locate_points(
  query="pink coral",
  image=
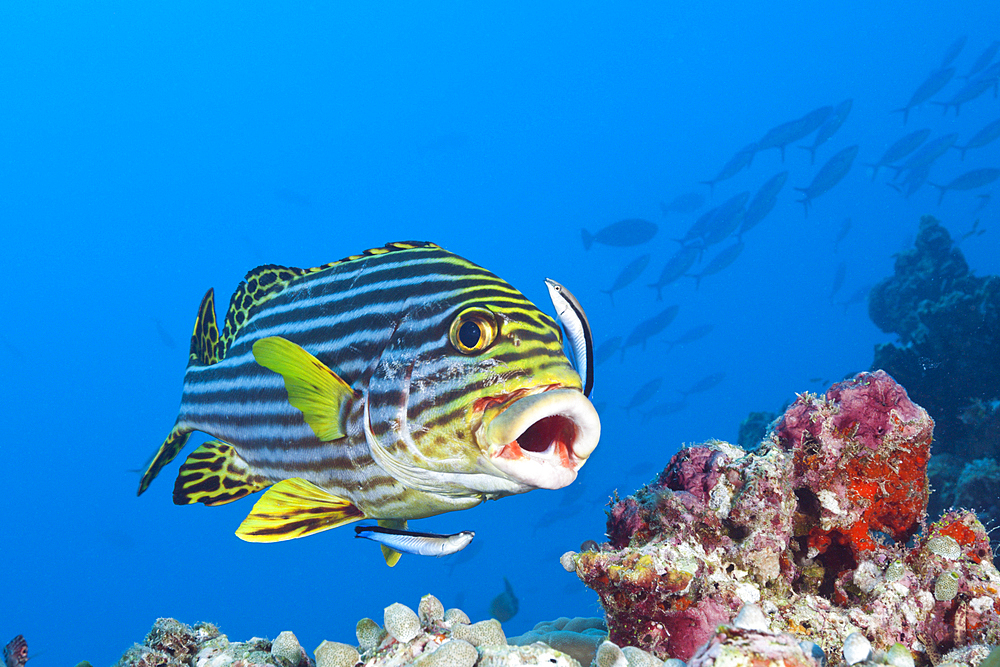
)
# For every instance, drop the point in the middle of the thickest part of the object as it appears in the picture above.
(818, 524)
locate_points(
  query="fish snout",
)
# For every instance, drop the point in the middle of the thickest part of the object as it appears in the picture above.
(542, 439)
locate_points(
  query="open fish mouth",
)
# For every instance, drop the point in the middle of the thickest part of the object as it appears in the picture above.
(541, 439)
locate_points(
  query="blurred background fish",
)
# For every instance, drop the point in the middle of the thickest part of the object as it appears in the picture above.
(505, 605)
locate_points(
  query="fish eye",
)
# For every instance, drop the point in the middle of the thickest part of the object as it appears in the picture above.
(473, 330)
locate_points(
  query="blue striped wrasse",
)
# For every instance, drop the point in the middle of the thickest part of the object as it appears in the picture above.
(396, 384)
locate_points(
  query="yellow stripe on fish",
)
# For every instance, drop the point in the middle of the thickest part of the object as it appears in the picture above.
(396, 384)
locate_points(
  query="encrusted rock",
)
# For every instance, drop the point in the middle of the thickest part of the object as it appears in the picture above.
(609, 655)
(287, 649)
(401, 622)
(483, 633)
(856, 649)
(456, 616)
(370, 634)
(518, 656)
(430, 610)
(453, 653)
(578, 637)
(335, 654)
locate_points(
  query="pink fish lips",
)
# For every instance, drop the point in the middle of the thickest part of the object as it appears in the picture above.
(540, 437)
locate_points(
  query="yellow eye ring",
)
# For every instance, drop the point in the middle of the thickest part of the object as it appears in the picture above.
(473, 330)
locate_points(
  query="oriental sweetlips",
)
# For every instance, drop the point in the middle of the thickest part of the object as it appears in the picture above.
(397, 384)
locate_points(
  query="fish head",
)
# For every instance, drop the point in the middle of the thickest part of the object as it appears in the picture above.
(481, 400)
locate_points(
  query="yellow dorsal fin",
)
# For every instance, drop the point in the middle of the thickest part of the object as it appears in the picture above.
(295, 508)
(205, 339)
(321, 395)
(214, 474)
(391, 555)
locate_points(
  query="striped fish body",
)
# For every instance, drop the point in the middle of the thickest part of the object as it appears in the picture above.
(396, 384)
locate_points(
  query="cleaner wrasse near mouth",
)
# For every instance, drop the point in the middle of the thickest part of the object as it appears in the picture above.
(418, 544)
(577, 327)
(397, 384)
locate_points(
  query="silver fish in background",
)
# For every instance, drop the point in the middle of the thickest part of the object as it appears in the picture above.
(628, 275)
(504, 606)
(577, 328)
(643, 394)
(726, 219)
(842, 232)
(763, 202)
(735, 165)
(676, 267)
(985, 136)
(691, 335)
(829, 128)
(828, 175)
(683, 204)
(790, 132)
(984, 59)
(900, 149)
(970, 180)
(650, 327)
(706, 383)
(721, 261)
(926, 90)
(966, 93)
(629, 232)
(914, 180)
(953, 50)
(927, 154)
(607, 349)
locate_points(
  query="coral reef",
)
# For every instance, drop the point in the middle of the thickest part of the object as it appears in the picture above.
(428, 637)
(819, 527)
(948, 323)
(171, 643)
(578, 637)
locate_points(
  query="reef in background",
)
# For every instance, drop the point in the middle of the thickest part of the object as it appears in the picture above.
(821, 527)
(948, 322)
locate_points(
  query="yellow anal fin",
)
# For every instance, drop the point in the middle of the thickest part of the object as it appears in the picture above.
(170, 448)
(214, 474)
(205, 339)
(391, 555)
(321, 395)
(295, 508)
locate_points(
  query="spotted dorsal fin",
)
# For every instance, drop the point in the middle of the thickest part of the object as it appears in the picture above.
(296, 508)
(321, 395)
(391, 555)
(205, 339)
(214, 474)
(257, 287)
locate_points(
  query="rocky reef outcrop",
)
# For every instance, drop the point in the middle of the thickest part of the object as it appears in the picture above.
(821, 526)
(948, 323)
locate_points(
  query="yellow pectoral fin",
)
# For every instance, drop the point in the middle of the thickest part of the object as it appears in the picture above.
(391, 555)
(318, 392)
(296, 508)
(215, 474)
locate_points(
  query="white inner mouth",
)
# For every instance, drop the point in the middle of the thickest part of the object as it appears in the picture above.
(543, 439)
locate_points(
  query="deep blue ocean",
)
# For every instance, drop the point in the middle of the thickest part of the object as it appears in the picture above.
(149, 152)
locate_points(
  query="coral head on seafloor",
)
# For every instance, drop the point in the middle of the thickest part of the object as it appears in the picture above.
(817, 526)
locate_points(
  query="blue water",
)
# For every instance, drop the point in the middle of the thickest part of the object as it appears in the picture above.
(148, 153)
